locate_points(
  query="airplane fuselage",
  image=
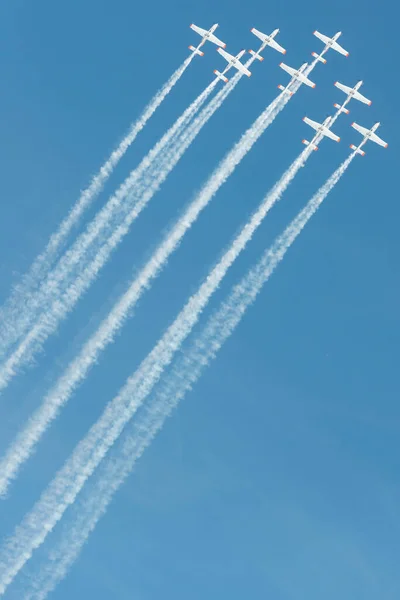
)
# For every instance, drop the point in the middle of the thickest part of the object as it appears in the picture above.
(371, 131)
(354, 90)
(204, 39)
(263, 46)
(329, 45)
(208, 34)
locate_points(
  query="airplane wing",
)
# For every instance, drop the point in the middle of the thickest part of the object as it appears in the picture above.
(261, 36)
(344, 88)
(234, 62)
(305, 80)
(357, 95)
(335, 45)
(198, 30)
(228, 57)
(213, 38)
(240, 54)
(360, 129)
(322, 37)
(238, 65)
(325, 130)
(276, 46)
(289, 70)
(264, 38)
(373, 137)
(328, 133)
(378, 140)
(229, 66)
(297, 74)
(362, 98)
(312, 123)
(339, 49)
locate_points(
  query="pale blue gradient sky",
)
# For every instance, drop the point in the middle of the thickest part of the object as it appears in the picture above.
(278, 476)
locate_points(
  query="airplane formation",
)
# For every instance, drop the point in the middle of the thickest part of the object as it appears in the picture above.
(298, 76)
(58, 280)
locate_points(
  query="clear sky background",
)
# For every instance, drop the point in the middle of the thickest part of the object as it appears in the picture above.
(278, 476)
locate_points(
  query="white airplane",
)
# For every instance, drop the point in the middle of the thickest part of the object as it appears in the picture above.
(222, 75)
(267, 40)
(322, 129)
(351, 93)
(369, 134)
(297, 75)
(233, 61)
(207, 36)
(329, 43)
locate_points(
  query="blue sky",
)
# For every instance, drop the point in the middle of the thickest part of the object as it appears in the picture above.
(278, 476)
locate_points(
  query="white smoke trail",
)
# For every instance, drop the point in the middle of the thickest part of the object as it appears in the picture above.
(11, 312)
(50, 289)
(49, 299)
(26, 440)
(88, 511)
(50, 319)
(183, 376)
(90, 451)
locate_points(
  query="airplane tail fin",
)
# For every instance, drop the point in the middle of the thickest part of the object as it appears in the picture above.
(357, 150)
(220, 76)
(319, 57)
(257, 56)
(342, 108)
(196, 51)
(307, 143)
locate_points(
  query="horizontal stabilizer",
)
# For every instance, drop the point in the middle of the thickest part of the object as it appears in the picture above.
(256, 55)
(196, 51)
(283, 89)
(341, 108)
(319, 57)
(221, 76)
(307, 143)
(357, 150)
